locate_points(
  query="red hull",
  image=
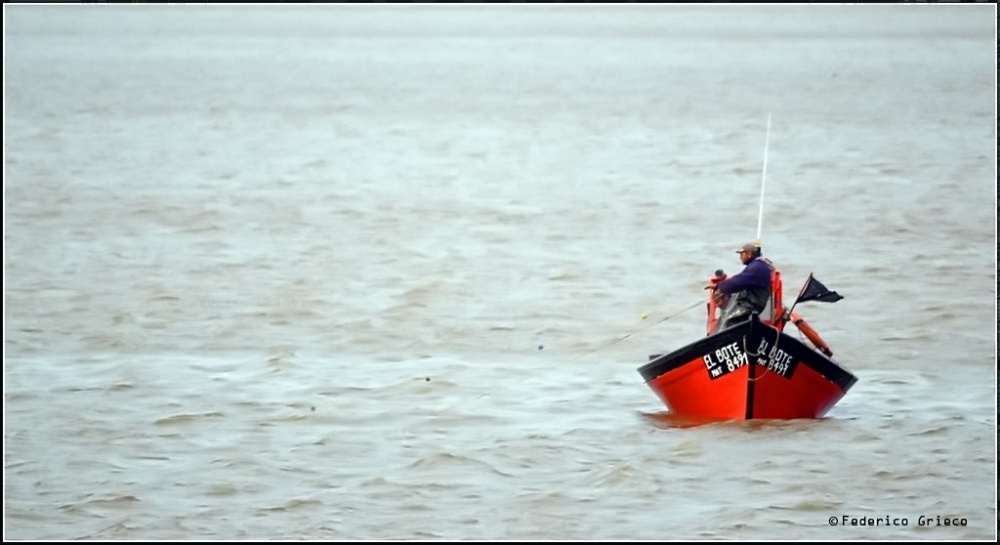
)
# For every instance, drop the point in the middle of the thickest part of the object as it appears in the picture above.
(747, 371)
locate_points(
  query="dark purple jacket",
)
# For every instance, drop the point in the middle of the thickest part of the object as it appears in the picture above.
(756, 274)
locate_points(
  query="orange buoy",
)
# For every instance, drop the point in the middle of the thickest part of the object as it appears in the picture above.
(811, 334)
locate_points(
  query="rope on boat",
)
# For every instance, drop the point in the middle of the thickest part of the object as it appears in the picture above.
(777, 339)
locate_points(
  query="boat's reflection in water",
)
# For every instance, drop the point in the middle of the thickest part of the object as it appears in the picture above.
(668, 420)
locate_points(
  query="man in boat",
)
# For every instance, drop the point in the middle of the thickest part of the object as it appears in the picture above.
(749, 290)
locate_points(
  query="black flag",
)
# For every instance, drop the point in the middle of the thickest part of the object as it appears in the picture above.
(814, 290)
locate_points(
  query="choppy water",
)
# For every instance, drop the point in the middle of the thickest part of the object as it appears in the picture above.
(366, 272)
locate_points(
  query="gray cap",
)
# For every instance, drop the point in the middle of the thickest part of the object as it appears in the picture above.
(751, 247)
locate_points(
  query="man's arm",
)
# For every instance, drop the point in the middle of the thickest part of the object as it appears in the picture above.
(755, 275)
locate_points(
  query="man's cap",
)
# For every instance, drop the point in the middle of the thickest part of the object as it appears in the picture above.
(751, 247)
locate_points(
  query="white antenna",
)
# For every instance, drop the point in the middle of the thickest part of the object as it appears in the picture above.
(763, 178)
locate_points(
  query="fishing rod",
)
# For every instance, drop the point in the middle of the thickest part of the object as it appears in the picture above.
(763, 179)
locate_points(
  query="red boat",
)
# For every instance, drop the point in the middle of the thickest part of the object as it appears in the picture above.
(752, 369)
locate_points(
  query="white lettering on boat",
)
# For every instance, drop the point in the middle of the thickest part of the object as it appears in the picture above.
(725, 359)
(777, 360)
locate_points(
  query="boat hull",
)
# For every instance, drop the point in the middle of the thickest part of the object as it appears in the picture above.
(747, 371)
